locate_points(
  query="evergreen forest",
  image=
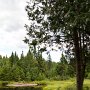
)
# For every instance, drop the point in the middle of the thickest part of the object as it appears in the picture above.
(31, 68)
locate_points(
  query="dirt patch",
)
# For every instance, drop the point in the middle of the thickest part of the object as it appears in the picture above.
(21, 85)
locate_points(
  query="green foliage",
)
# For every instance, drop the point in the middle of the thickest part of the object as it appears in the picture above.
(26, 68)
(88, 76)
(71, 71)
(13, 59)
(62, 68)
(4, 83)
(59, 22)
(29, 68)
(41, 76)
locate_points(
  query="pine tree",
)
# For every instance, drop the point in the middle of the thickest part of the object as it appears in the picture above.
(49, 61)
(63, 59)
(22, 56)
(12, 59)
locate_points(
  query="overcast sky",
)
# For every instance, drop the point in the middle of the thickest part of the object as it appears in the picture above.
(12, 20)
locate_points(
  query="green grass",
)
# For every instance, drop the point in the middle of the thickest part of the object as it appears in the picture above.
(63, 85)
(59, 85)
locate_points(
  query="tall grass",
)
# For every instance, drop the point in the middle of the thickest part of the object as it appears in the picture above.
(65, 85)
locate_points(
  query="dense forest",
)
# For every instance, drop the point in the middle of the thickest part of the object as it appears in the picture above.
(31, 68)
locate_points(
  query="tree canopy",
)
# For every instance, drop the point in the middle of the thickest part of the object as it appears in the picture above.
(62, 21)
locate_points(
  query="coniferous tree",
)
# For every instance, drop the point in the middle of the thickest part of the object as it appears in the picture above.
(12, 59)
(22, 56)
(63, 59)
(49, 61)
(16, 58)
(62, 67)
(62, 21)
(0, 57)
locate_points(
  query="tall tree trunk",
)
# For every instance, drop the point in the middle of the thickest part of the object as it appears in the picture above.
(79, 62)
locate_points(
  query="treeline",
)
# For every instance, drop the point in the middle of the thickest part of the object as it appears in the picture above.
(30, 68)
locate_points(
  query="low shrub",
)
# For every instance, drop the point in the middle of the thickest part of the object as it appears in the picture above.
(4, 83)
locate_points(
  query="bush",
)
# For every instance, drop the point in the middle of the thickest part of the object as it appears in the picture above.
(4, 83)
(42, 83)
(58, 77)
(41, 76)
(88, 76)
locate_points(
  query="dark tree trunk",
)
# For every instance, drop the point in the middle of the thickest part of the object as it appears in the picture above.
(80, 69)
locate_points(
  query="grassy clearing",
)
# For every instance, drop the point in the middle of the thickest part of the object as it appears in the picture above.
(63, 85)
(58, 85)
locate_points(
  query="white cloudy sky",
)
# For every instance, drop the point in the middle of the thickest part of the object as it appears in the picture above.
(12, 20)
